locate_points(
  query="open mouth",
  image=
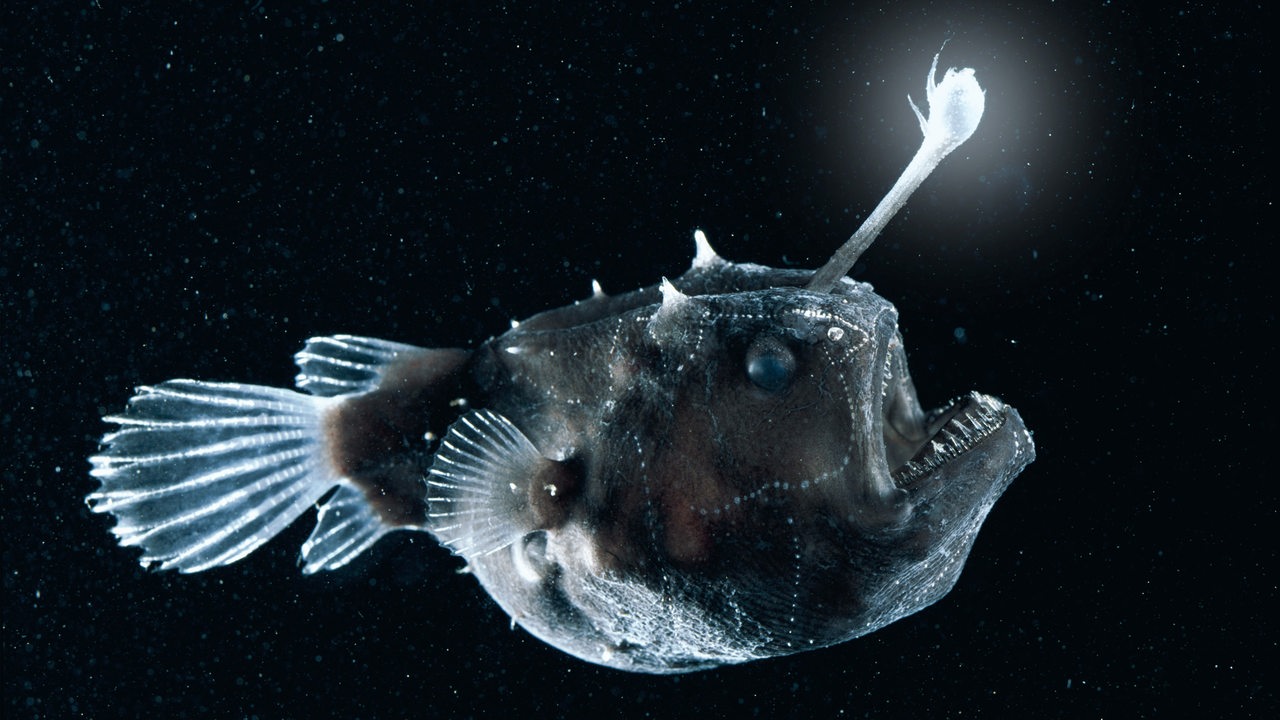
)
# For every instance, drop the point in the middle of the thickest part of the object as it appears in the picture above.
(918, 443)
(951, 431)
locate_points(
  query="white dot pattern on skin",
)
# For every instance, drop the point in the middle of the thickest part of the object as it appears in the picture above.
(836, 353)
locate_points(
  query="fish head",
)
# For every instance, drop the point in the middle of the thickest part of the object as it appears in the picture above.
(758, 479)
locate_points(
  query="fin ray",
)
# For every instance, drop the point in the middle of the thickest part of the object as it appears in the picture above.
(476, 490)
(345, 527)
(345, 364)
(201, 474)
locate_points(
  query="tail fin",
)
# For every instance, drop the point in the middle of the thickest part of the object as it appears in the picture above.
(200, 474)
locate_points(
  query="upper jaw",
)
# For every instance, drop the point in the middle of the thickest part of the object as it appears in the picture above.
(905, 424)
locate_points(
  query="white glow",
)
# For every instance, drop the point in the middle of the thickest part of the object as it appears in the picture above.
(955, 108)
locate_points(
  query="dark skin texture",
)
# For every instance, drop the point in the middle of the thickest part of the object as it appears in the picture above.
(376, 439)
(717, 454)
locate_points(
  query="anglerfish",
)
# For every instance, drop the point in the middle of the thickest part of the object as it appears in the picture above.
(726, 466)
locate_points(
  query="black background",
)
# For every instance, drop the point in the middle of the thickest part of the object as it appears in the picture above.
(193, 192)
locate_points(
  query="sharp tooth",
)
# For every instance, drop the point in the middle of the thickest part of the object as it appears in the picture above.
(952, 440)
(957, 427)
(886, 376)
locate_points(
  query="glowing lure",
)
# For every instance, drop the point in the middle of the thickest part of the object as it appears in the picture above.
(955, 107)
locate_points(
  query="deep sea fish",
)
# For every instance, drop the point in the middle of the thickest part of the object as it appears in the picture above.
(727, 466)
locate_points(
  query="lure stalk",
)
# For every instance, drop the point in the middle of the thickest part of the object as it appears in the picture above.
(955, 108)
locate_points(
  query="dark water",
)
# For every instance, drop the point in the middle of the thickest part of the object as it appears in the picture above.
(192, 193)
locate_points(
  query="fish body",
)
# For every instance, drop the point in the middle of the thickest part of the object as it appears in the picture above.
(724, 467)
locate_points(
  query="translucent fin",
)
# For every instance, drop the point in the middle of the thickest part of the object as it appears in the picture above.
(200, 474)
(477, 492)
(346, 527)
(344, 364)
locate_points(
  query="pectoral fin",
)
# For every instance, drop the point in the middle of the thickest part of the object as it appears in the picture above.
(489, 486)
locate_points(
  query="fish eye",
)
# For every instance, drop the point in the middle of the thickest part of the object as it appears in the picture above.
(770, 364)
